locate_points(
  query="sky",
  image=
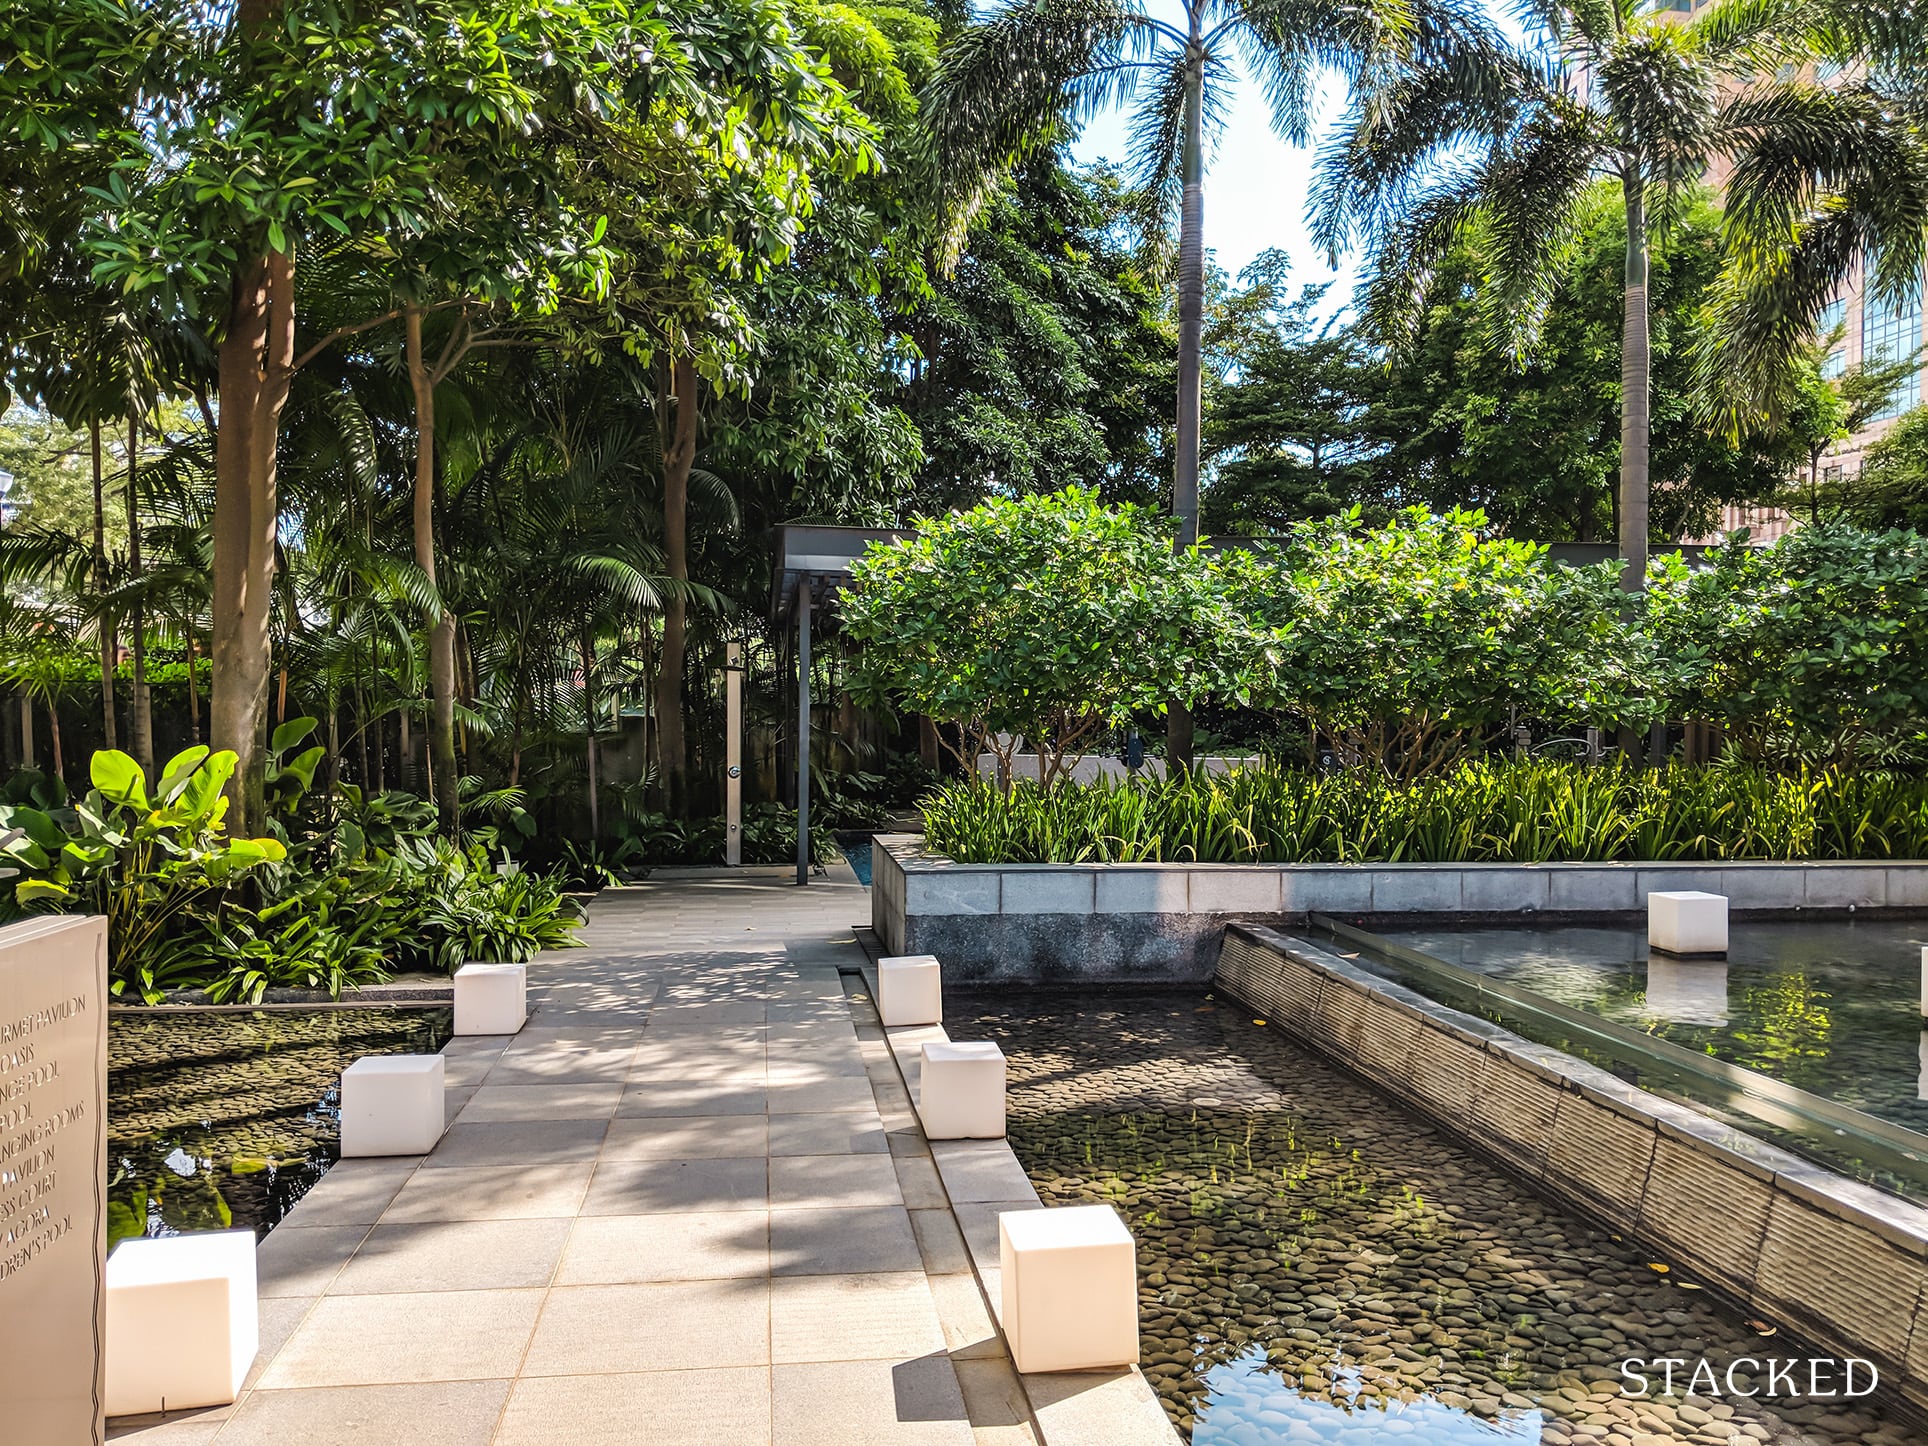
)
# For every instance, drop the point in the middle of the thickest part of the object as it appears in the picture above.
(1255, 187)
(1255, 184)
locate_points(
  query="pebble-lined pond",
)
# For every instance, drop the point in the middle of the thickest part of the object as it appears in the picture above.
(1317, 1264)
(218, 1120)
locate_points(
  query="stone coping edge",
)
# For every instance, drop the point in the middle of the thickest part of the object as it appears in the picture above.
(983, 1179)
(1844, 1263)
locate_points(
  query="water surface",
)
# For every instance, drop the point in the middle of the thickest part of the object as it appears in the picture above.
(219, 1120)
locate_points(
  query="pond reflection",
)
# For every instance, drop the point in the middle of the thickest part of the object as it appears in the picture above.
(223, 1120)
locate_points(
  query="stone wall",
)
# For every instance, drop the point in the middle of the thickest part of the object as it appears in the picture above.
(1841, 1262)
(1077, 923)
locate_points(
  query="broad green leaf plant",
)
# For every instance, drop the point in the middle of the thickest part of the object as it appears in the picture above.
(140, 857)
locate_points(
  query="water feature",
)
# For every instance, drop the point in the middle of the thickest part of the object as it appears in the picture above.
(218, 1119)
(856, 847)
(1807, 1035)
(1319, 1264)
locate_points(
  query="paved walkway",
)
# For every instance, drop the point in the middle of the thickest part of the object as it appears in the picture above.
(688, 1203)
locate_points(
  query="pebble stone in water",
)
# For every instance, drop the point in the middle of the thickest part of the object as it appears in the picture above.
(219, 1120)
(1319, 1264)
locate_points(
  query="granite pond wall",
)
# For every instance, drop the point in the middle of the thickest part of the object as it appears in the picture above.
(1162, 923)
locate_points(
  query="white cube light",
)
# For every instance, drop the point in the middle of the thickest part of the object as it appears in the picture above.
(183, 1321)
(910, 991)
(1687, 921)
(960, 1090)
(491, 998)
(1070, 1288)
(391, 1104)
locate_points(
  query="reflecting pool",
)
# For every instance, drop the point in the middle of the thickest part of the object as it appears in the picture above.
(1319, 1264)
(1830, 1007)
(217, 1120)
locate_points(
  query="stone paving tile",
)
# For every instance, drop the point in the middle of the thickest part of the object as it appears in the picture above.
(852, 1317)
(303, 1262)
(505, 1192)
(721, 1097)
(977, 1170)
(566, 1056)
(664, 1187)
(524, 1142)
(672, 1209)
(671, 1325)
(364, 1340)
(826, 1181)
(684, 1137)
(513, 1103)
(455, 1255)
(999, 1413)
(844, 1092)
(870, 1403)
(354, 1192)
(941, 1243)
(724, 1407)
(636, 1249)
(917, 1181)
(846, 1132)
(439, 1413)
(842, 1242)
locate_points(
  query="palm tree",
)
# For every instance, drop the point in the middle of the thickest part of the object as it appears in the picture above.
(1504, 153)
(1004, 86)
(1830, 177)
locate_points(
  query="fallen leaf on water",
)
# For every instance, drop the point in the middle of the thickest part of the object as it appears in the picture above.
(1657, 1267)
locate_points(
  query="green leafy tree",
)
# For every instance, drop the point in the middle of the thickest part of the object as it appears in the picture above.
(1892, 489)
(1404, 644)
(1040, 620)
(1042, 358)
(1008, 81)
(1534, 441)
(1290, 432)
(1814, 646)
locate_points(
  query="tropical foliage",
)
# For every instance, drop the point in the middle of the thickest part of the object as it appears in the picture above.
(190, 906)
(1479, 811)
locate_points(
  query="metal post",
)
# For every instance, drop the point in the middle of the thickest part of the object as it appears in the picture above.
(733, 754)
(803, 730)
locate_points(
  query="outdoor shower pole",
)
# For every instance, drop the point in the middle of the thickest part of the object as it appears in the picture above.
(733, 754)
(803, 729)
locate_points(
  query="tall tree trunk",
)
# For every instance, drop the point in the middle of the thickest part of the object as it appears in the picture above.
(588, 653)
(53, 720)
(1636, 363)
(109, 649)
(443, 773)
(1191, 328)
(256, 364)
(26, 730)
(679, 456)
(193, 684)
(143, 703)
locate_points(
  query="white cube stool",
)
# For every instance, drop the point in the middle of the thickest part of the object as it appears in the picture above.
(910, 990)
(960, 1090)
(183, 1321)
(1687, 921)
(491, 998)
(391, 1104)
(1070, 1288)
